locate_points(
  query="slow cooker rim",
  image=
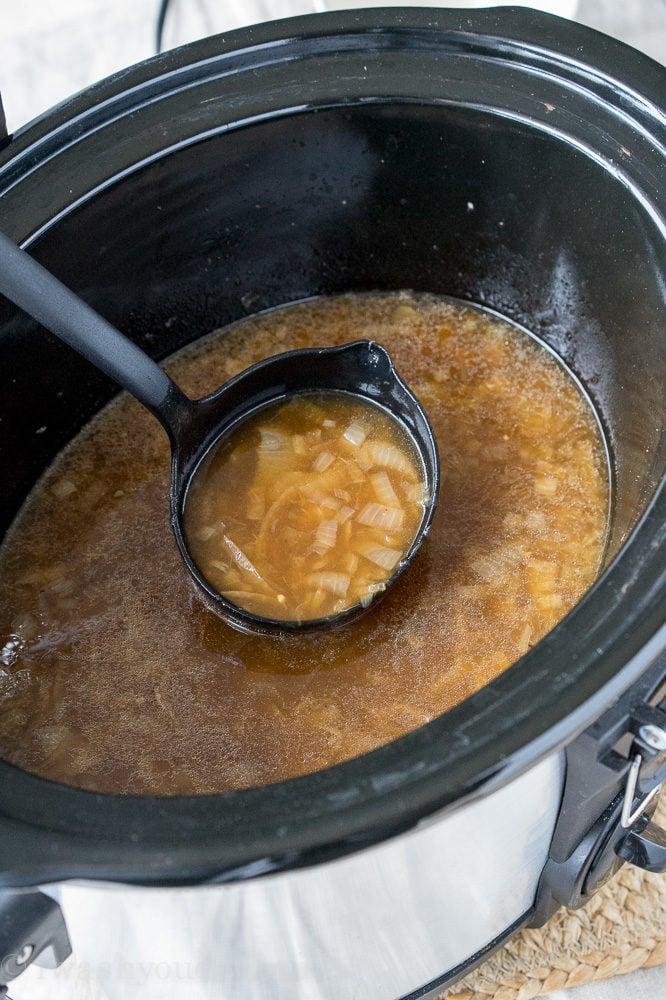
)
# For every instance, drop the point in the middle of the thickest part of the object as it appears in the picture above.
(49, 131)
(392, 787)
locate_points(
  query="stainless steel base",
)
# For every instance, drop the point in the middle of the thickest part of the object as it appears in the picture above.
(375, 925)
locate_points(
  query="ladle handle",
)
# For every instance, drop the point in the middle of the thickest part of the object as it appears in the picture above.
(39, 293)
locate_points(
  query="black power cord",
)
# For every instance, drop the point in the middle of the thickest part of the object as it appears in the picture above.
(159, 24)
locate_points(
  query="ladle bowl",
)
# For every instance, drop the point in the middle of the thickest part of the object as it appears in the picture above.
(362, 368)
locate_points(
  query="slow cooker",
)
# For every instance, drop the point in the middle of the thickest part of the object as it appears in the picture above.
(501, 156)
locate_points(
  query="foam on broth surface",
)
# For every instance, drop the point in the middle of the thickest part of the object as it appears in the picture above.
(113, 676)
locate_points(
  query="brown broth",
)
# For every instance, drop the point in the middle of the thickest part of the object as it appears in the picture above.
(307, 508)
(113, 677)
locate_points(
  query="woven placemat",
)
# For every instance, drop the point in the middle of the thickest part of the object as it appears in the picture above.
(621, 929)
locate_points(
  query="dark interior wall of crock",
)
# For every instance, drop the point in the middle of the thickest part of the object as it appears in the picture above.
(375, 196)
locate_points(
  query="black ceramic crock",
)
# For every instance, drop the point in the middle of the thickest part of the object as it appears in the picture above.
(503, 157)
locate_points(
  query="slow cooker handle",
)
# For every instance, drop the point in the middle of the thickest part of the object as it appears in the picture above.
(645, 849)
(615, 771)
(32, 928)
(644, 844)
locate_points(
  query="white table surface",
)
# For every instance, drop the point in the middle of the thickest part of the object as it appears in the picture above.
(645, 984)
(49, 49)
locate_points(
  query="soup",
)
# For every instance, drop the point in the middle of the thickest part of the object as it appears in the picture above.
(307, 508)
(114, 677)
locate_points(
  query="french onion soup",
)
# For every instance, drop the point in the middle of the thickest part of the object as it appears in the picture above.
(307, 508)
(114, 677)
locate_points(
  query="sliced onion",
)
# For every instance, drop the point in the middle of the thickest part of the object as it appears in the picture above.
(369, 593)
(345, 513)
(333, 583)
(259, 604)
(266, 525)
(240, 559)
(322, 461)
(384, 491)
(355, 434)
(318, 497)
(416, 492)
(64, 488)
(271, 465)
(380, 555)
(298, 444)
(326, 534)
(270, 440)
(376, 515)
(387, 456)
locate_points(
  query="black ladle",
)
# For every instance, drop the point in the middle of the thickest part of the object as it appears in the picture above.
(362, 368)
